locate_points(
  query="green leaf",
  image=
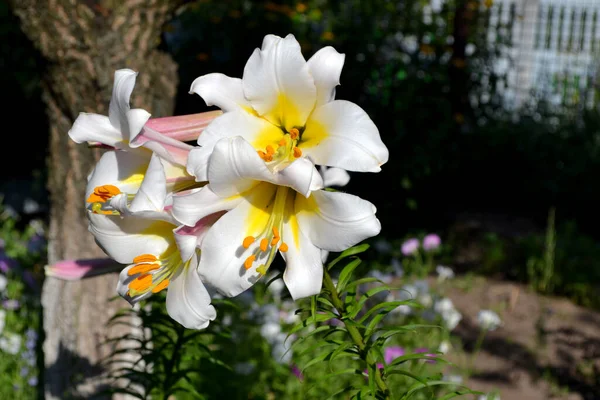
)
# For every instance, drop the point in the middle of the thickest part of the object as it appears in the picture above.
(384, 307)
(359, 282)
(347, 273)
(420, 385)
(406, 373)
(365, 297)
(347, 253)
(416, 356)
(459, 393)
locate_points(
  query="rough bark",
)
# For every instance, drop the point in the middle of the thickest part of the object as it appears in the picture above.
(84, 42)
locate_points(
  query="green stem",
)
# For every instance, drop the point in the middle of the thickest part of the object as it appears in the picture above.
(476, 350)
(355, 335)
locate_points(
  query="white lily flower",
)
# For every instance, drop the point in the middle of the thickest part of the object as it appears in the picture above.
(284, 106)
(160, 254)
(270, 212)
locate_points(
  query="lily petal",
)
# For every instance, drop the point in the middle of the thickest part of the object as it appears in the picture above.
(326, 67)
(257, 131)
(235, 167)
(333, 176)
(189, 208)
(189, 238)
(303, 273)
(340, 134)
(188, 301)
(278, 84)
(123, 239)
(119, 102)
(223, 255)
(153, 191)
(335, 221)
(221, 91)
(124, 170)
(96, 128)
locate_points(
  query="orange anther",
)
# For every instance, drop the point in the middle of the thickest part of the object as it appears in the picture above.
(103, 193)
(275, 231)
(297, 152)
(284, 247)
(262, 154)
(249, 261)
(141, 283)
(270, 150)
(145, 258)
(263, 244)
(275, 240)
(268, 158)
(248, 241)
(142, 269)
(282, 142)
(294, 133)
(161, 286)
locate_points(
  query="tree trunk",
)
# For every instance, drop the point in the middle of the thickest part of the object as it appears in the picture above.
(84, 42)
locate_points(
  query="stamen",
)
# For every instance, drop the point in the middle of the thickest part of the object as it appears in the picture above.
(103, 193)
(297, 152)
(284, 247)
(262, 269)
(161, 286)
(275, 232)
(282, 142)
(261, 154)
(145, 258)
(263, 244)
(248, 241)
(270, 150)
(275, 241)
(294, 133)
(142, 269)
(141, 283)
(249, 261)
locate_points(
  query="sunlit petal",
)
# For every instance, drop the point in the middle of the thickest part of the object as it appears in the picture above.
(221, 91)
(335, 221)
(278, 84)
(340, 134)
(326, 67)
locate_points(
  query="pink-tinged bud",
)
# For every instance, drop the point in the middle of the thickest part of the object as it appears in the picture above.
(73, 270)
(183, 127)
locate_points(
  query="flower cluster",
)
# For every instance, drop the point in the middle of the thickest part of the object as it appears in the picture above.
(194, 219)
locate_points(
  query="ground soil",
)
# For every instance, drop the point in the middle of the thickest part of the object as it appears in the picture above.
(546, 348)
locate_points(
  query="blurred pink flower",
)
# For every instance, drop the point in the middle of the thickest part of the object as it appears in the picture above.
(392, 352)
(296, 371)
(410, 246)
(431, 242)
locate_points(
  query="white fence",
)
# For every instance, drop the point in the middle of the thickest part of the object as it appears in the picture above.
(553, 47)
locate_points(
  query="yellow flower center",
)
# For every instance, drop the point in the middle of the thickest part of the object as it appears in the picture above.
(266, 225)
(285, 151)
(153, 273)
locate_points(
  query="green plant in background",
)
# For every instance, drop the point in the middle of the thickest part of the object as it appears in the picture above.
(540, 272)
(22, 247)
